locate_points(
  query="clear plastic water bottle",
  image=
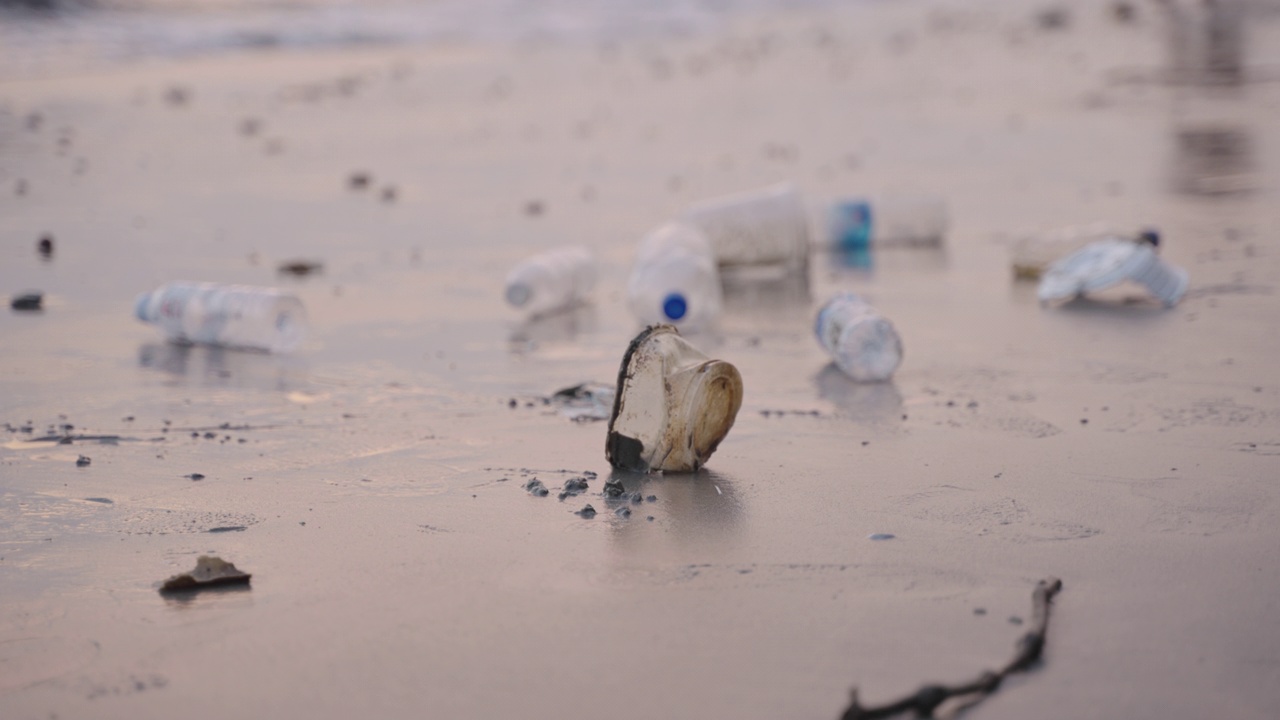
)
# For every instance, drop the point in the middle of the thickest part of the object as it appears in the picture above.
(767, 227)
(907, 221)
(552, 281)
(238, 316)
(675, 279)
(863, 343)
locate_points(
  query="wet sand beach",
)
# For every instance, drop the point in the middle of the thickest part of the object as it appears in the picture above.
(373, 481)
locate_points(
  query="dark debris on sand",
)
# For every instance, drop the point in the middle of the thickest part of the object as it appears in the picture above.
(27, 301)
(210, 571)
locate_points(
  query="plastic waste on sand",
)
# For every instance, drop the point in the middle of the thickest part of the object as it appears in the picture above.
(906, 221)
(237, 316)
(673, 404)
(1032, 253)
(761, 227)
(1105, 263)
(863, 343)
(552, 281)
(674, 279)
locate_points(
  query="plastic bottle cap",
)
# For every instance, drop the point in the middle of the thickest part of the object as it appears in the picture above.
(674, 306)
(851, 225)
(141, 309)
(518, 294)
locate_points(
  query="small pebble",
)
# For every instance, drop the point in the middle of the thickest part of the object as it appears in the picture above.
(880, 536)
(358, 181)
(83, 461)
(300, 268)
(27, 301)
(177, 95)
(1015, 620)
(194, 476)
(651, 498)
(613, 488)
(535, 487)
(623, 512)
(979, 611)
(587, 512)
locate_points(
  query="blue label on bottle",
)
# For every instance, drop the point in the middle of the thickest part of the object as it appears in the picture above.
(674, 306)
(851, 225)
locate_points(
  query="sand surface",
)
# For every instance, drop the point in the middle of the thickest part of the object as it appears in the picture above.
(399, 568)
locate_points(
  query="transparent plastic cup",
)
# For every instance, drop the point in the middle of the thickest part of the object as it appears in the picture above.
(673, 404)
(766, 227)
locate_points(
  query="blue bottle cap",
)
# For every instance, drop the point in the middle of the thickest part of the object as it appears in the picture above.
(851, 225)
(674, 306)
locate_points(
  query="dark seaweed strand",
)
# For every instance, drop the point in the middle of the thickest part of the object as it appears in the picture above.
(925, 701)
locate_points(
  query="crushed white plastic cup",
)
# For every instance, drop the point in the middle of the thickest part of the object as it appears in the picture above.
(673, 404)
(1105, 263)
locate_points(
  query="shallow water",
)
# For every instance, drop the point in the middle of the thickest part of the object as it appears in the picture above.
(76, 36)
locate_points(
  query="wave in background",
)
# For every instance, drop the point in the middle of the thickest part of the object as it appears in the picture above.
(39, 37)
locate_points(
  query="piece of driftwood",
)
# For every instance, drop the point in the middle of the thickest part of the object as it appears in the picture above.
(210, 572)
(923, 703)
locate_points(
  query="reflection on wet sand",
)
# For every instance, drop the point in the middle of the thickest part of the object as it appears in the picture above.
(1213, 143)
(215, 366)
(876, 402)
(748, 294)
(562, 326)
(229, 596)
(694, 508)
(858, 262)
(1206, 40)
(1214, 159)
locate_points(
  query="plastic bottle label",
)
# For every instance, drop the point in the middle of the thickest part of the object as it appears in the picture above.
(851, 225)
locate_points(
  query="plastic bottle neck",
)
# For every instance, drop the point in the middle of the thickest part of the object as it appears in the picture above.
(518, 294)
